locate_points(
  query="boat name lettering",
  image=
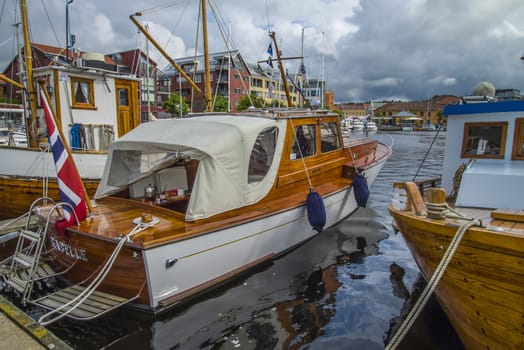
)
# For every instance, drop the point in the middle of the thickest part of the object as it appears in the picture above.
(64, 248)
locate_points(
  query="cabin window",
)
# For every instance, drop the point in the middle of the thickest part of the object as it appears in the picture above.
(518, 140)
(123, 97)
(484, 140)
(305, 141)
(329, 137)
(262, 154)
(83, 96)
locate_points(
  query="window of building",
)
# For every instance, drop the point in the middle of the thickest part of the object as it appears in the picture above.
(518, 140)
(305, 142)
(237, 76)
(262, 154)
(484, 140)
(237, 91)
(329, 137)
(83, 96)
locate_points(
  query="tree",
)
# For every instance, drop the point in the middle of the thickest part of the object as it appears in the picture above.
(220, 104)
(248, 101)
(175, 104)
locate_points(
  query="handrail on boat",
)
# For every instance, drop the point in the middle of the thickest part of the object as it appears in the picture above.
(35, 202)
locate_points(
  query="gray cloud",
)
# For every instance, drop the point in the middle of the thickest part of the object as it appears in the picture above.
(367, 50)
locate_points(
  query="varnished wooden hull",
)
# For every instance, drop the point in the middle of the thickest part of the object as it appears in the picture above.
(17, 193)
(482, 290)
(82, 257)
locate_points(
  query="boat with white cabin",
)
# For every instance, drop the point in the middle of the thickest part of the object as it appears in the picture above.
(469, 245)
(94, 103)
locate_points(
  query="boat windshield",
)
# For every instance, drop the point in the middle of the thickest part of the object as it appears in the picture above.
(130, 166)
(262, 154)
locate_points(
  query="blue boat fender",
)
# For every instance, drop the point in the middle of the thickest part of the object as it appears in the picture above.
(361, 190)
(316, 211)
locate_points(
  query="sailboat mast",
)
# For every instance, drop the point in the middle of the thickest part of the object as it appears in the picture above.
(207, 70)
(147, 81)
(282, 71)
(322, 82)
(32, 140)
(302, 65)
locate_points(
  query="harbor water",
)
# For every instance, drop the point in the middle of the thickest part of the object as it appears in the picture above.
(346, 288)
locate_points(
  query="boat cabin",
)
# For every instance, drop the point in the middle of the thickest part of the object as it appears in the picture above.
(212, 163)
(489, 138)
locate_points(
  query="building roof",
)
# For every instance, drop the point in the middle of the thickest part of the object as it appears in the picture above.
(436, 103)
(59, 53)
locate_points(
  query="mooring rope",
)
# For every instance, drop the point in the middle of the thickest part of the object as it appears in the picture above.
(427, 153)
(91, 288)
(300, 151)
(432, 284)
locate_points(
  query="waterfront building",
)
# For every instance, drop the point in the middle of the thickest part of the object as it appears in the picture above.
(353, 109)
(229, 75)
(423, 114)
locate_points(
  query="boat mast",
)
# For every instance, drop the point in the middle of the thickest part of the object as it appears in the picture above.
(207, 69)
(322, 76)
(147, 81)
(282, 71)
(30, 127)
(302, 65)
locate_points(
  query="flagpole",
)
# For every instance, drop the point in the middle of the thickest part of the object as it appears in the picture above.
(66, 146)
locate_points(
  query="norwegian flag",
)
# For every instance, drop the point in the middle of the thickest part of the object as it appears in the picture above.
(69, 182)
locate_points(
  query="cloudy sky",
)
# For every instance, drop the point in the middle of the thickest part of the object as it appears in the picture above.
(366, 50)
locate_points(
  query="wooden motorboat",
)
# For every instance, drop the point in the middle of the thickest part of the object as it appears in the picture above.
(470, 248)
(232, 192)
(186, 204)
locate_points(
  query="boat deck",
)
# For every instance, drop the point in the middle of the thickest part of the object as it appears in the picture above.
(501, 220)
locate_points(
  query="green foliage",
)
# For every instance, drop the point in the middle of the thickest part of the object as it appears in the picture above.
(339, 112)
(174, 103)
(220, 104)
(258, 102)
(12, 101)
(248, 101)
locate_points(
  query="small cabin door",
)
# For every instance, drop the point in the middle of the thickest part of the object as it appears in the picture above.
(126, 105)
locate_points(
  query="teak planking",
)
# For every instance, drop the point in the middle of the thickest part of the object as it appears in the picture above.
(481, 290)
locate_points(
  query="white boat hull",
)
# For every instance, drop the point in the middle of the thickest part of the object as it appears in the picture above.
(209, 257)
(33, 163)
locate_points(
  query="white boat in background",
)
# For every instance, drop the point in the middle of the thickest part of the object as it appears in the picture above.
(358, 124)
(371, 126)
(94, 103)
(347, 124)
(407, 126)
(12, 138)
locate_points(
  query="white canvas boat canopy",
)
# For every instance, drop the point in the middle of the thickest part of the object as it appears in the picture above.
(223, 145)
